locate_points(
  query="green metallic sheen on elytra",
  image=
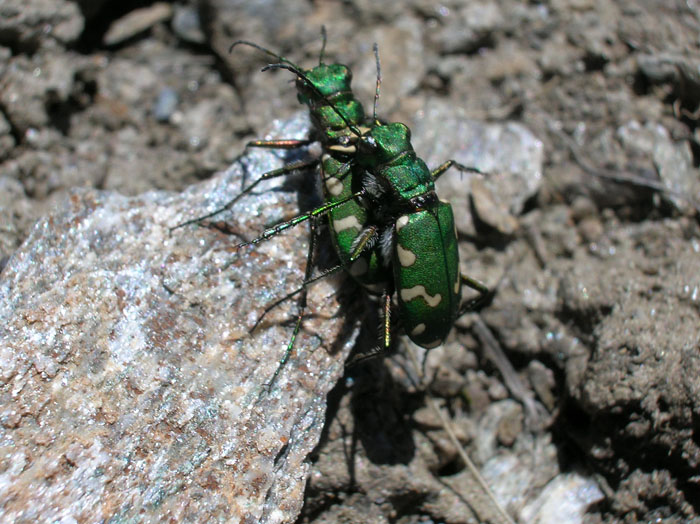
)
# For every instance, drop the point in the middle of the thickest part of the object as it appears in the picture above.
(333, 80)
(427, 313)
(347, 222)
(387, 150)
(425, 258)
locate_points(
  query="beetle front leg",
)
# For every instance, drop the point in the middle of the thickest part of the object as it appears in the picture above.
(284, 170)
(440, 170)
(283, 143)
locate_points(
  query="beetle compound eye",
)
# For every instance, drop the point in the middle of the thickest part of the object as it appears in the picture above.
(370, 143)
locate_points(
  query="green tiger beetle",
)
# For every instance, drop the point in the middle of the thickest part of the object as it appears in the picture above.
(396, 221)
(389, 228)
(417, 231)
(338, 119)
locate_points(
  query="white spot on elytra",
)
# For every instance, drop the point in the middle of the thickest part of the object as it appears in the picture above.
(401, 222)
(348, 150)
(418, 330)
(419, 291)
(349, 222)
(406, 257)
(334, 186)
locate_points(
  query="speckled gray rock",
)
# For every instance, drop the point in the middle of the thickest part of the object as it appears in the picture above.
(130, 386)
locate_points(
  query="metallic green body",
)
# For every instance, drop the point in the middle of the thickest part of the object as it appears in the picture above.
(347, 221)
(425, 257)
(387, 151)
(389, 229)
(333, 81)
(426, 273)
(384, 144)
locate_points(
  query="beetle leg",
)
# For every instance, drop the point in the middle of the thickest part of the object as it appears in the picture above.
(284, 170)
(321, 210)
(284, 143)
(387, 320)
(438, 171)
(302, 307)
(294, 293)
(484, 294)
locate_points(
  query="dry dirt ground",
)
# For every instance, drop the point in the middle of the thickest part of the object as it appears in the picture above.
(597, 302)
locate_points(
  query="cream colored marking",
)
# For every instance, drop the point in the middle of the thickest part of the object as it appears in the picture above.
(359, 267)
(419, 291)
(432, 345)
(334, 186)
(418, 330)
(349, 222)
(401, 222)
(457, 286)
(406, 257)
(350, 150)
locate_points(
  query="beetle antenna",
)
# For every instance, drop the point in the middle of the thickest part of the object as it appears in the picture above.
(379, 82)
(324, 38)
(264, 50)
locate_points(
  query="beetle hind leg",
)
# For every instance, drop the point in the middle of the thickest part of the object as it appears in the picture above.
(485, 294)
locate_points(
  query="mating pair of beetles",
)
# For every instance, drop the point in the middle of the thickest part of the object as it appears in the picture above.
(390, 230)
